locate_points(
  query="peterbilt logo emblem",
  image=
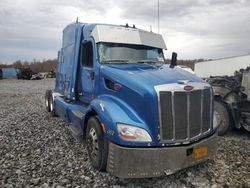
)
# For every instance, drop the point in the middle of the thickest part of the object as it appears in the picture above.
(188, 88)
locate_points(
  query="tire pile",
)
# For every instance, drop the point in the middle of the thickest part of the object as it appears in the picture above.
(37, 150)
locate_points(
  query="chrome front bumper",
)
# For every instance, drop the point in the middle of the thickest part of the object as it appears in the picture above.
(127, 162)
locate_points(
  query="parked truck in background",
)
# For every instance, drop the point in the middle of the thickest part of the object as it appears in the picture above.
(8, 72)
(140, 117)
(230, 79)
(232, 100)
(24, 73)
(1, 74)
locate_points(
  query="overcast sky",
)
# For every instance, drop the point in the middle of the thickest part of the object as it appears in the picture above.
(32, 29)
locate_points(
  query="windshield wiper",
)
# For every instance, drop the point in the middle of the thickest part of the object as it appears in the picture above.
(120, 61)
(151, 62)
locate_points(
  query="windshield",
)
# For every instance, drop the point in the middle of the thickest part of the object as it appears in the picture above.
(129, 53)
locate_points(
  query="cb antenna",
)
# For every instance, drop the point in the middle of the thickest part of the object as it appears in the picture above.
(158, 16)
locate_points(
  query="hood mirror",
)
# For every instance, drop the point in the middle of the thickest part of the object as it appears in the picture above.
(173, 60)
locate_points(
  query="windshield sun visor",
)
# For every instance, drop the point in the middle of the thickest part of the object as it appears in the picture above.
(112, 34)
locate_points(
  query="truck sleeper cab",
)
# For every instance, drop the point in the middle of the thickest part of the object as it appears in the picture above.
(140, 118)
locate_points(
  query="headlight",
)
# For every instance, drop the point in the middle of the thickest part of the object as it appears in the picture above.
(131, 133)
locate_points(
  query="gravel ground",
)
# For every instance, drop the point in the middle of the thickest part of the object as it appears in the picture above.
(38, 150)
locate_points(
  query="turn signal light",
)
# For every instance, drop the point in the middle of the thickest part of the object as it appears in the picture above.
(117, 87)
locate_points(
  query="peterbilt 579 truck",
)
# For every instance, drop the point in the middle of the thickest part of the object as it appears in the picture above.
(139, 116)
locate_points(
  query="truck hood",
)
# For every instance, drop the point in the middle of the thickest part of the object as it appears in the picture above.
(138, 92)
(147, 76)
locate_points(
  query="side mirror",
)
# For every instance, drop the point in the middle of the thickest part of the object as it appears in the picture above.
(173, 60)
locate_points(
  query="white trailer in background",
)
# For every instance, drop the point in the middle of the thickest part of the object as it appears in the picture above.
(221, 67)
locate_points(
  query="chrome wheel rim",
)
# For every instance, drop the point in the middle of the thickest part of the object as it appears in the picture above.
(46, 102)
(218, 118)
(51, 104)
(93, 144)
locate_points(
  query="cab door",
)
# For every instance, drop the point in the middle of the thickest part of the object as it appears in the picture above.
(87, 77)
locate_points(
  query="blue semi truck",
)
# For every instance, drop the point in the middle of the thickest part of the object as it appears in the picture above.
(139, 116)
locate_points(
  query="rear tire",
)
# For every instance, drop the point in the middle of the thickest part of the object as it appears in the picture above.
(49, 102)
(220, 110)
(48, 95)
(97, 146)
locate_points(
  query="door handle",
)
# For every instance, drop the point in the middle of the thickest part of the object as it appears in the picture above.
(92, 75)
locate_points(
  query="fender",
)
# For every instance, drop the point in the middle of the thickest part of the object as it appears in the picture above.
(111, 111)
(228, 97)
(225, 94)
(220, 91)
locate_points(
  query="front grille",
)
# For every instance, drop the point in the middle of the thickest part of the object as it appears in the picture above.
(184, 115)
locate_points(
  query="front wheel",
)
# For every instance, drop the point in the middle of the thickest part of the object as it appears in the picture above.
(97, 146)
(223, 118)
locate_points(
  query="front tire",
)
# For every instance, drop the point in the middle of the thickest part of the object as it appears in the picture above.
(97, 146)
(220, 110)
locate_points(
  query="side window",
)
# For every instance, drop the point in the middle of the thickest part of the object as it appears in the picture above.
(87, 54)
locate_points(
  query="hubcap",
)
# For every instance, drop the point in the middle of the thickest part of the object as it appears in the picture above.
(93, 143)
(218, 117)
(46, 102)
(51, 104)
